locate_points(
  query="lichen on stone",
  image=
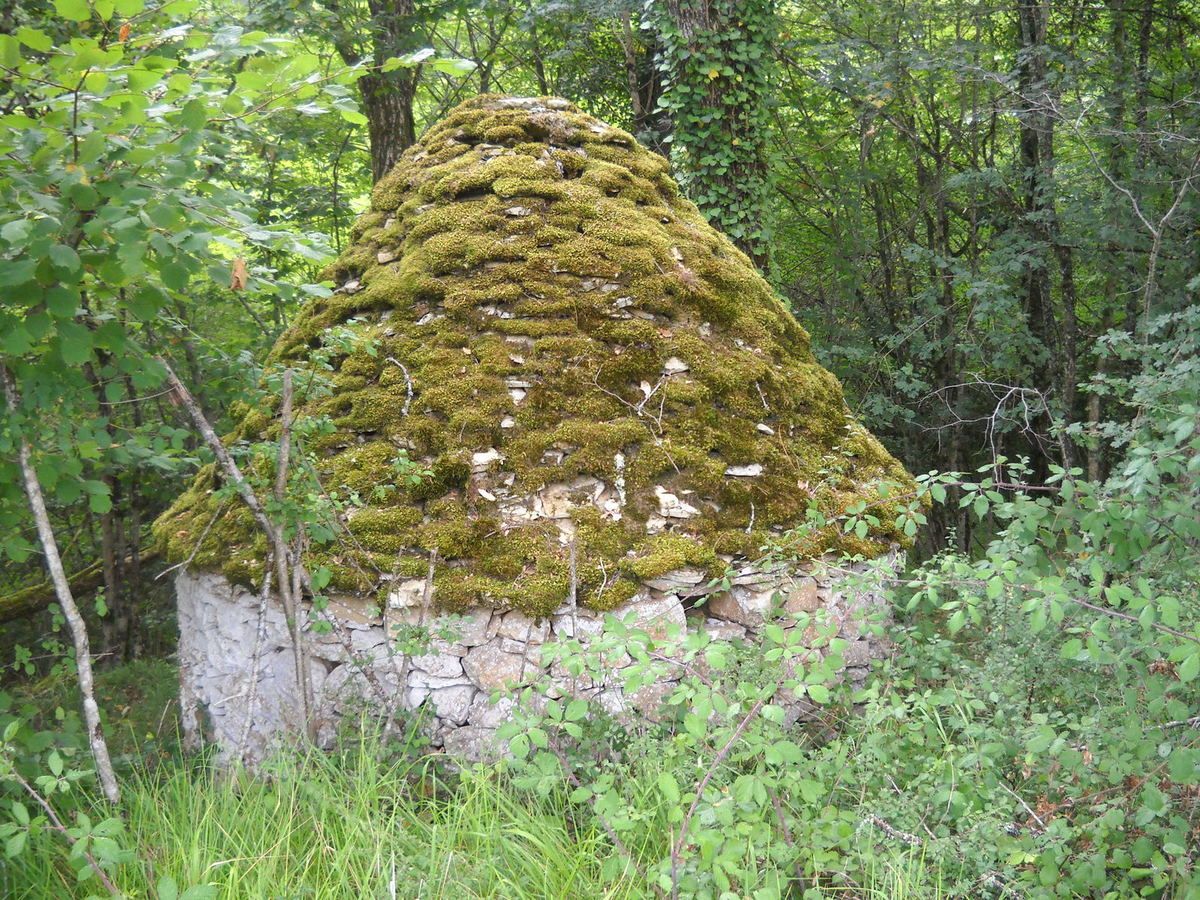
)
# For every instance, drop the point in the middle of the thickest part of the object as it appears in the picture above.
(533, 279)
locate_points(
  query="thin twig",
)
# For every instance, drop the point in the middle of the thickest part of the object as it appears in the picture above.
(677, 844)
(408, 385)
(57, 824)
(259, 637)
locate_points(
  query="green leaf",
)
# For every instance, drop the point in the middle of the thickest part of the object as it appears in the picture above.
(75, 343)
(34, 39)
(16, 272)
(10, 51)
(73, 10)
(1071, 649)
(1189, 668)
(64, 257)
(353, 116)
(669, 787)
(62, 302)
(15, 844)
(819, 693)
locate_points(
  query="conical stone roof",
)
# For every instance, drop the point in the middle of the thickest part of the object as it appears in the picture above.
(598, 381)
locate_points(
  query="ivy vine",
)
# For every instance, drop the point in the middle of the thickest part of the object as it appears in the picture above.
(716, 62)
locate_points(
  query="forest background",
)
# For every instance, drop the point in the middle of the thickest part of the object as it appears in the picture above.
(984, 213)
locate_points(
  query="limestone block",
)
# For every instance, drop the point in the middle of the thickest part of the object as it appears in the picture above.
(649, 699)
(857, 653)
(490, 667)
(438, 664)
(453, 703)
(676, 581)
(490, 715)
(581, 623)
(671, 506)
(474, 742)
(468, 629)
(802, 596)
(720, 630)
(742, 605)
(520, 627)
(407, 594)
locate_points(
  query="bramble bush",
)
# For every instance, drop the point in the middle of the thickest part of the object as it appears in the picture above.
(1036, 733)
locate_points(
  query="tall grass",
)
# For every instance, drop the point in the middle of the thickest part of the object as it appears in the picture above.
(344, 826)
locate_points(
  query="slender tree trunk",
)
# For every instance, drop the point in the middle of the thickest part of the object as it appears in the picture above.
(62, 590)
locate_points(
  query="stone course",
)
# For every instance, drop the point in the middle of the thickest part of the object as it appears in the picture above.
(489, 651)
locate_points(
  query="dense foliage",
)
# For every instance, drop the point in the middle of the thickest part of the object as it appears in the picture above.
(985, 215)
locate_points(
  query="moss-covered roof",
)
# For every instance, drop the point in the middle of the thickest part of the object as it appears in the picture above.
(536, 280)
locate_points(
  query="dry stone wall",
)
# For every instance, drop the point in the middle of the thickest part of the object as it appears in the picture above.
(355, 668)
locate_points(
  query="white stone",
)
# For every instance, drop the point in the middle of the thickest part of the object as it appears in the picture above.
(675, 366)
(520, 627)
(474, 743)
(385, 256)
(441, 665)
(490, 667)
(653, 616)
(422, 679)
(719, 630)
(752, 470)
(406, 594)
(581, 623)
(508, 422)
(741, 605)
(672, 507)
(482, 461)
(673, 582)
(453, 703)
(490, 715)
(764, 428)
(518, 211)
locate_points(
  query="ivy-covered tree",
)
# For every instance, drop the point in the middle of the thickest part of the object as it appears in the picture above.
(717, 60)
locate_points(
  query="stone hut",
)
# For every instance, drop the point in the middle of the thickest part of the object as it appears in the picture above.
(544, 389)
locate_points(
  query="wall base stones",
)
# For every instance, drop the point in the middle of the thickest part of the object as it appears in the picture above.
(356, 668)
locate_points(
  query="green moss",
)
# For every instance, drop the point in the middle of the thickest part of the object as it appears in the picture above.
(540, 269)
(667, 552)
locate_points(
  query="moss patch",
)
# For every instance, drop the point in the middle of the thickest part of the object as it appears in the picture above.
(532, 282)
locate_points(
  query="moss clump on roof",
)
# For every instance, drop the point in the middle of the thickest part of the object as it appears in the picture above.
(536, 280)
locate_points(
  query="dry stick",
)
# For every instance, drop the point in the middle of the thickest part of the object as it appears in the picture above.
(891, 831)
(83, 652)
(291, 592)
(259, 636)
(677, 844)
(181, 395)
(402, 675)
(408, 385)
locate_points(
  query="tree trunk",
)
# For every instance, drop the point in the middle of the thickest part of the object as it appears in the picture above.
(387, 103)
(387, 97)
